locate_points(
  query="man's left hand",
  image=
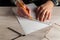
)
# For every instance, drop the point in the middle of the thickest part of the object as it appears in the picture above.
(44, 11)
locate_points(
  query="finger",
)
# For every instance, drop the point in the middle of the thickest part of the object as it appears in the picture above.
(19, 13)
(37, 16)
(42, 15)
(28, 10)
(25, 13)
(46, 16)
(38, 13)
(49, 16)
(38, 9)
(41, 10)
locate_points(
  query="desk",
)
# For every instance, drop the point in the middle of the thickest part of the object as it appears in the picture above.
(8, 19)
(56, 15)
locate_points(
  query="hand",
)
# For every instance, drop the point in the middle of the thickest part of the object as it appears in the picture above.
(23, 11)
(44, 11)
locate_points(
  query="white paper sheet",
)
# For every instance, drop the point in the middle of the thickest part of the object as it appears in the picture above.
(30, 26)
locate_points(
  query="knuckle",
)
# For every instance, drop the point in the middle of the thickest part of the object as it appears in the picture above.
(42, 8)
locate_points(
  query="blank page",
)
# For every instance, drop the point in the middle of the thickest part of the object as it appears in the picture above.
(30, 26)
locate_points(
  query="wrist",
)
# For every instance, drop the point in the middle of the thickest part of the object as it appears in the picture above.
(51, 3)
(55, 2)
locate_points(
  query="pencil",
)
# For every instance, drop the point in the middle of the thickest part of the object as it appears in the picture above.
(21, 4)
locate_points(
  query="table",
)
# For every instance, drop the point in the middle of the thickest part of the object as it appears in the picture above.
(8, 19)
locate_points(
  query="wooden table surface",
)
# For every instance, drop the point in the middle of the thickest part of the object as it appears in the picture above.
(8, 19)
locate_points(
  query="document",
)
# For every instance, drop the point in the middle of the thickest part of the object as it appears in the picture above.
(30, 26)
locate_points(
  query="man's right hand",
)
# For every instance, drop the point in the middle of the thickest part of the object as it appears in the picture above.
(23, 11)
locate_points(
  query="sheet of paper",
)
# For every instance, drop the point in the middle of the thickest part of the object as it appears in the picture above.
(30, 26)
(32, 6)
